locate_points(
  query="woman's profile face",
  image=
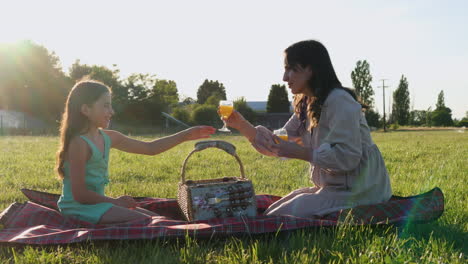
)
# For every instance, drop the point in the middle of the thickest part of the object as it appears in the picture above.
(297, 78)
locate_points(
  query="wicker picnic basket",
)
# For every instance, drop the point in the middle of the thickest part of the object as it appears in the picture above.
(216, 198)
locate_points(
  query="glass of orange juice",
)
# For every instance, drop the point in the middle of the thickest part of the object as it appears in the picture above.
(225, 110)
(281, 133)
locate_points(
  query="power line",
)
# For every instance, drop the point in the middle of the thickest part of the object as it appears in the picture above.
(383, 88)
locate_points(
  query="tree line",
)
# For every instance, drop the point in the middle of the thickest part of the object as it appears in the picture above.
(401, 114)
(33, 81)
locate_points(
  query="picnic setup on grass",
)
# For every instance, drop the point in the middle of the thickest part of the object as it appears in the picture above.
(212, 207)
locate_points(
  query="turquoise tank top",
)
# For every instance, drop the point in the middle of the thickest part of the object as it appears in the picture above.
(96, 177)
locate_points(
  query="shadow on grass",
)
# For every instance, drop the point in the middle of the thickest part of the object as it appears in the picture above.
(451, 234)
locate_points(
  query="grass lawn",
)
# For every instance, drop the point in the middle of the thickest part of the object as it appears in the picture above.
(416, 160)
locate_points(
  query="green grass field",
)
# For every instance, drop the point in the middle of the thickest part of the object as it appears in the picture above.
(417, 161)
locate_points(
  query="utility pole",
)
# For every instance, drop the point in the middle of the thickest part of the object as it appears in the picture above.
(383, 87)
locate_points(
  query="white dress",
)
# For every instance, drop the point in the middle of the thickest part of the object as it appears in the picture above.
(347, 168)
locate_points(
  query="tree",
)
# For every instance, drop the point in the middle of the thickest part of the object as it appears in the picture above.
(148, 97)
(206, 115)
(188, 101)
(278, 101)
(246, 111)
(372, 118)
(401, 103)
(463, 122)
(418, 117)
(429, 116)
(209, 88)
(32, 80)
(362, 79)
(442, 115)
(138, 87)
(135, 107)
(181, 114)
(96, 72)
(440, 101)
(213, 100)
(164, 93)
(109, 77)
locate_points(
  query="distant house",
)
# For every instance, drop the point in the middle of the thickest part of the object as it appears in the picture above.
(272, 120)
(260, 106)
(269, 120)
(257, 106)
(14, 119)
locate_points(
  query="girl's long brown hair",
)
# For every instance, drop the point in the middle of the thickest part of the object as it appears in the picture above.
(313, 54)
(73, 121)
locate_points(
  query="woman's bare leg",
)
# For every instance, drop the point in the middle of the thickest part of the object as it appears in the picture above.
(288, 197)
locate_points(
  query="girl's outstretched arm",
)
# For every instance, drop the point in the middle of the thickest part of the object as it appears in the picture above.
(124, 143)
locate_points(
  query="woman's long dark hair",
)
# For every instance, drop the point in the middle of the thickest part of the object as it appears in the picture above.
(312, 53)
(73, 121)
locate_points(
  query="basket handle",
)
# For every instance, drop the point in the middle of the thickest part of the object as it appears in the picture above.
(201, 145)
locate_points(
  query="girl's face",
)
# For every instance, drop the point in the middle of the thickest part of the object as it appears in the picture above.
(100, 113)
(297, 78)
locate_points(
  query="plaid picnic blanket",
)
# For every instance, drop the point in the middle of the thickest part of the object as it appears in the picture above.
(38, 221)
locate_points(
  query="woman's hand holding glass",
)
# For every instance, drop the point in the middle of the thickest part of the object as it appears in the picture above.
(235, 120)
(225, 110)
(283, 135)
(289, 149)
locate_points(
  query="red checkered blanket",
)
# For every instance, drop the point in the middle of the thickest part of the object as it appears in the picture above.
(38, 221)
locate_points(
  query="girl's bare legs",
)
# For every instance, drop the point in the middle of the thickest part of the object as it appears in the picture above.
(145, 211)
(118, 214)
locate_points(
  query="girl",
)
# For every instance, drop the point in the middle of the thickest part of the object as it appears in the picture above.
(83, 156)
(347, 168)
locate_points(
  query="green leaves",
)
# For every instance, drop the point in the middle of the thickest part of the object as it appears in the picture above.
(210, 88)
(362, 79)
(401, 103)
(278, 101)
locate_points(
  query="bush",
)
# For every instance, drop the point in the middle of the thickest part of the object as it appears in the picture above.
(462, 123)
(206, 115)
(246, 111)
(181, 114)
(213, 100)
(373, 118)
(442, 117)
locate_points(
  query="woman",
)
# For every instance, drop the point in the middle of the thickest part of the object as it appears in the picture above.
(347, 168)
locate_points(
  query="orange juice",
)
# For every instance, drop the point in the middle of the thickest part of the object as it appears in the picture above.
(225, 110)
(285, 138)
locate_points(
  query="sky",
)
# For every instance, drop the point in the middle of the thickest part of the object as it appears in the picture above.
(241, 43)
